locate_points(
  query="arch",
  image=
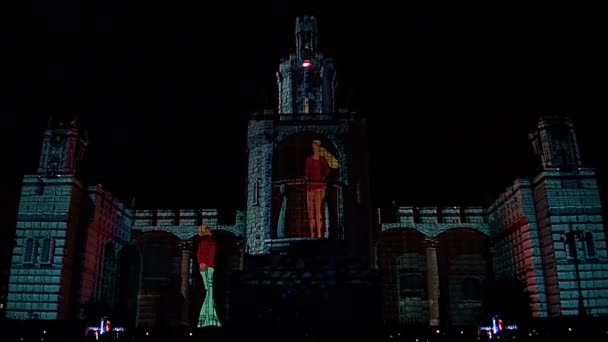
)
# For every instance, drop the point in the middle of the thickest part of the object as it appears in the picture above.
(402, 261)
(463, 257)
(408, 238)
(435, 229)
(295, 212)
(128, 286)
(290, 154)
(160, 295)
(482, 230)
(228, 260)
(464, 239)
(330, 134)
(185, 232)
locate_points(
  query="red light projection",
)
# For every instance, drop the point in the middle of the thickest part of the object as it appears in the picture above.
(307, 63)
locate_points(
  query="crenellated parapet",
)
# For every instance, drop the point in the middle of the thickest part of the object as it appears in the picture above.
(432, 221)
(183, 223)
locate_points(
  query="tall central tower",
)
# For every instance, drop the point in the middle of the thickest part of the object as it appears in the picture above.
(308, 219)
(307, 80)
(308, 178)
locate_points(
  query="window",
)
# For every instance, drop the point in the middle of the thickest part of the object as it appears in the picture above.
(570, 245)
(47, 251)
(30, 250)
(412, 283)
(256, 192)
(589, 244)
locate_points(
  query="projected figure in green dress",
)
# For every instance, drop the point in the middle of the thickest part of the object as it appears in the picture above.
(206, 261)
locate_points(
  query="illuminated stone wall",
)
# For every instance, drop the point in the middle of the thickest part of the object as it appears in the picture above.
(530, 221)
(183, 223)
(432, 221)
(67, 236)
(548, 231)
(433, 259)
(108, 226)
(517, 248)
(259, 184)
(42, 280)
(167, 240)
(568, 201)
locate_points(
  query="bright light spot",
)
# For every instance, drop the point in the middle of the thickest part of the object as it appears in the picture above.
(146, 333)
(437, 331)
(569, 329)
(44, 331)
(190, 334)
(461, 332)
(307, 63)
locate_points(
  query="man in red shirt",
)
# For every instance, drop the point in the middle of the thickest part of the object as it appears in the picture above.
(206, 264)
(316, 172)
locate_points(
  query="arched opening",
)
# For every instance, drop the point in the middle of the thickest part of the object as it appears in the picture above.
(463, 267)
(306, 191)
(402, 261)
(228, 260)
(160, 296)
(127, 286)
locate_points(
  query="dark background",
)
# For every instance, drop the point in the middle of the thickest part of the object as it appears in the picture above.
(165, 89)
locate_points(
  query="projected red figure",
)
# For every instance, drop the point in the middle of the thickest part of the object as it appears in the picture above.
(206, 261)
(316, 172)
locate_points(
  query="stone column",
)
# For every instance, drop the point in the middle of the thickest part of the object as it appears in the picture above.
(432, 281)
(186, 247)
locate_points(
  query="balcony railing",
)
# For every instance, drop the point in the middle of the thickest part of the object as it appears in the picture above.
(320, 117)
(295, 209)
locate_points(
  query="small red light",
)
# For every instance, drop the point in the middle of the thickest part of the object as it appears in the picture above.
(307, 63)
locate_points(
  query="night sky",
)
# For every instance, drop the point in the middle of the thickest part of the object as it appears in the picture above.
(165, 89)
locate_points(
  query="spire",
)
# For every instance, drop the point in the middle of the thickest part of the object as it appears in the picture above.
(306, 37)
(307, 80)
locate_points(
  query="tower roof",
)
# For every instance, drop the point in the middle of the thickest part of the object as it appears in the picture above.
(306, 36)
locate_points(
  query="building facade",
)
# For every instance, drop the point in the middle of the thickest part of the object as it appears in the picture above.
(546, 231)
(306, 237)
